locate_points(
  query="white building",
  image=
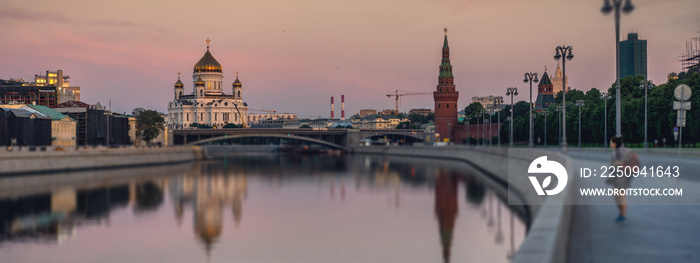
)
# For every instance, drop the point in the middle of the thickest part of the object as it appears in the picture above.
(207, 103)
(378, 122)
(488, 101)
(258, 117)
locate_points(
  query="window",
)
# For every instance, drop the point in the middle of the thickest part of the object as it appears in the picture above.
(448, 105)
(225, 117)
(216, 116)
(201, 92)
(201, 117)
(188, 117)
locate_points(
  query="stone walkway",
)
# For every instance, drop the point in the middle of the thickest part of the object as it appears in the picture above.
(652, 233)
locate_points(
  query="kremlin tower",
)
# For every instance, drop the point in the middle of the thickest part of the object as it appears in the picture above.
(445, 98)
(545, 92)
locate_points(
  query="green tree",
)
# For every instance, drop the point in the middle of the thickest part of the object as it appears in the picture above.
(200, 126)
(149, 123)
(473, 111)
(233, 125)
(421, 118)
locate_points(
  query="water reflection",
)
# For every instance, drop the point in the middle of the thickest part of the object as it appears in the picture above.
(343, 222)
(209, 190)
(446, 209)
(54, 216)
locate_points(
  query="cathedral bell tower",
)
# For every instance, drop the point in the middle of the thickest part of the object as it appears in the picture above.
(199, 88)
(179, 87)
(237, 88)
(445, 97)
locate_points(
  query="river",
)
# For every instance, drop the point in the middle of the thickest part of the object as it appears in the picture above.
(261, 208)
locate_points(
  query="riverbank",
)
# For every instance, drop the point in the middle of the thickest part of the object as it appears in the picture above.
(18, 162)
(548, 236)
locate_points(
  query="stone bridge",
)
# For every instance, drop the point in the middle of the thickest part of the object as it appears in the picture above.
(341, 137)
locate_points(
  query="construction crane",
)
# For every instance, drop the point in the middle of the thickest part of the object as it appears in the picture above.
(241, 116)
(397, 95)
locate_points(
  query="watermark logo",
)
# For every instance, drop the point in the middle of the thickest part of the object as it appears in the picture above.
(540, 166)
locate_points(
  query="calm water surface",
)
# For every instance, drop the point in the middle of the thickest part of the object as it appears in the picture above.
(263, 209)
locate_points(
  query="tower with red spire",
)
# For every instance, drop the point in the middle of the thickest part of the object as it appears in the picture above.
(445, 97)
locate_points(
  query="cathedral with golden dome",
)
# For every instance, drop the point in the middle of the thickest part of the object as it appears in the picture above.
(207, 104)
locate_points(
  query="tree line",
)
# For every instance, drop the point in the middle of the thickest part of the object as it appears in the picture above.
(661, 116)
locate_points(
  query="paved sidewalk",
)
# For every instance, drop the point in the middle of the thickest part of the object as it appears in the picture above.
(652, 233)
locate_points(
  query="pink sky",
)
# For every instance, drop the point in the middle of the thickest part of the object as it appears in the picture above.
(293, 55)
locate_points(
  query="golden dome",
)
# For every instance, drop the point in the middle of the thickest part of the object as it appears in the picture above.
(207, 63)
(199, 82)
(237, 83)
(179, 83)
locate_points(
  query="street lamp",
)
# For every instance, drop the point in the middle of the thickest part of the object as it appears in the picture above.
(606, 9)
(565, 50)
(511, 91)
(497, 103)
(490, 124)
(483, 137)
(646, 85)
(545, 127)
(559, 112)
(580, 104)
(469, 137)
(529, 77)
(478, 128)
(605, 98)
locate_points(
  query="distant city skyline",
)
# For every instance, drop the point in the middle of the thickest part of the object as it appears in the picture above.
(293, 56)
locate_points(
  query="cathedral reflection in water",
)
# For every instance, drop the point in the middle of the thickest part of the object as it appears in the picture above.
(210, 190)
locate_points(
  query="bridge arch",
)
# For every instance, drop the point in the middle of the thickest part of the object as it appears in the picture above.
(279, 136)
(401, 137)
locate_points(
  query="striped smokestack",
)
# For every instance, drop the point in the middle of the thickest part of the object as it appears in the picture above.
(332, 107)
(342, 107)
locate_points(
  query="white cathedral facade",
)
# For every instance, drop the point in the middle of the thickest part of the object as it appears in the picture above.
(207, 103)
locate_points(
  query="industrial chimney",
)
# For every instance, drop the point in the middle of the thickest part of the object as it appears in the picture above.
(332, 108)
(342, 107)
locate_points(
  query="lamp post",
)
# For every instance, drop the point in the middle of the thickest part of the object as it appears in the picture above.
(580, 104)
(478, 128)
(606, 9)
(490, 127)
(529, 76)
(545, 127)
(646, 85)
(511, 91)
(559, 111)
(567, 51)
(483, 137)
(605, 98)
(469, 137)
(497, 103)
